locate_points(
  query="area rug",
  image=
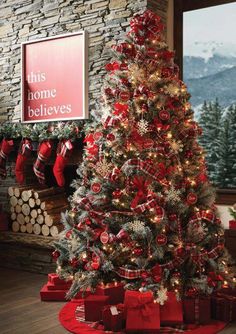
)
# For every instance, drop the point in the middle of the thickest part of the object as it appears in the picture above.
(71, 318)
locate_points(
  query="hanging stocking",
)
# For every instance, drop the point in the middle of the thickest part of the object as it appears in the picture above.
(23, 155)
(64, 150)
(6, 147)
(44, 153)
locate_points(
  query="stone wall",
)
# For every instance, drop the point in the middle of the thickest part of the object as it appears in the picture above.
(23, 20)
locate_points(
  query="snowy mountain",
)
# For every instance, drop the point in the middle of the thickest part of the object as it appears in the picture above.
(207, 50)
(221, 85)
(210, 71)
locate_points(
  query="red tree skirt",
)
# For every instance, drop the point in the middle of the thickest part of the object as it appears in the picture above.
(71, 317)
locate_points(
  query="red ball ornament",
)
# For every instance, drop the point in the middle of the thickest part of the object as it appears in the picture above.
(74, 262)
(124, 95)
(108, 91)
(111, 137)
(192, 198)
(95, 265)
(117, 194)
(164, 115)
(104, 237)
(148, 143)
(97, 135)
(161, 240)
(55, 255)
(96, 187)
(138, 251)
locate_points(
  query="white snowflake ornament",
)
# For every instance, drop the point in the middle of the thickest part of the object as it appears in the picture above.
(172, 89)
(137, 226)
(143, 127)
(173, 195)
(162, 295)
(176, 146)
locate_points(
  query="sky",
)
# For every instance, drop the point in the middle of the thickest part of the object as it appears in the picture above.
(211, 24)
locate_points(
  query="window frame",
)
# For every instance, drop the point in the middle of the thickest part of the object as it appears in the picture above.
(224, 196)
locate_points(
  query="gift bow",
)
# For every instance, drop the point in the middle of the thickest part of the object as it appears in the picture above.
(141, 184)
(143, 302)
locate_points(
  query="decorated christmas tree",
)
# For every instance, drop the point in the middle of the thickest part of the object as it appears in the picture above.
(143, 210)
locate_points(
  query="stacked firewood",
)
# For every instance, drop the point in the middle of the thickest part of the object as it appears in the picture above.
(37, 211)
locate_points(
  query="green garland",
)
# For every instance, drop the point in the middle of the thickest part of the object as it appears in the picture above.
(42, 131)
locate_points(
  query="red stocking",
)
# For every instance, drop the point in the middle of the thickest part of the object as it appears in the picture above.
(64, 150)
(23, 155)
(6, 147)
(44, 153)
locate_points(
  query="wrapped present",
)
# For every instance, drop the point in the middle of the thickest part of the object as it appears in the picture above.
(54, 279)
(113, 318)
(171, 313)
(142, 314)
(115, 292)
(232, 224)
(65, 286)
(93, 306)
(223, 307)
(197, 310)
(52, 295)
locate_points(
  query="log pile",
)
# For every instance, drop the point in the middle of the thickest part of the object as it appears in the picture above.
(37, 211)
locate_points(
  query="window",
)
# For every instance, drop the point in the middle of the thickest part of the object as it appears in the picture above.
(205, 45)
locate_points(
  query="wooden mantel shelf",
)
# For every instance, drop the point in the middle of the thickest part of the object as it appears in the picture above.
(27, 239)
(27, 252)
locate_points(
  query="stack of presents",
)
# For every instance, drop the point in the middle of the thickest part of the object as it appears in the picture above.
(133, 311)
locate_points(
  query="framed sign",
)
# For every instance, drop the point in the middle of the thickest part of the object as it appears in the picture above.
(55, 78)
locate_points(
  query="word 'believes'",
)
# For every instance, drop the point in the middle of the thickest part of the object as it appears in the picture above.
(43, 109)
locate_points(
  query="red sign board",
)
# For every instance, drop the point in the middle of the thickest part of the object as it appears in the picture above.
(54, 78)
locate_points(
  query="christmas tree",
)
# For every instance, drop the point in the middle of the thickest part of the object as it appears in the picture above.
(211, 122)
(143, 209)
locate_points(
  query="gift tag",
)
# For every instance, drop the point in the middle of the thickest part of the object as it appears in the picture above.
(114, 310)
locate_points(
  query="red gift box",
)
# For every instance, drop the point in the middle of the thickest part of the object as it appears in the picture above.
(93, 306)
(143, 315)
(232, 224)
(113, 318)
(171, 313)
(197, 310)
(115, 292)
(52, 295)
(65, 286)
(223, 307)
(54, 279)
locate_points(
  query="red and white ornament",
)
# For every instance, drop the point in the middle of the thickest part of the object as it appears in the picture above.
(124, 95)
(161, 239)
(164, 115)
(96, 187)
(97, 136)
(192, 198)
(148, 143)
(104, 237)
